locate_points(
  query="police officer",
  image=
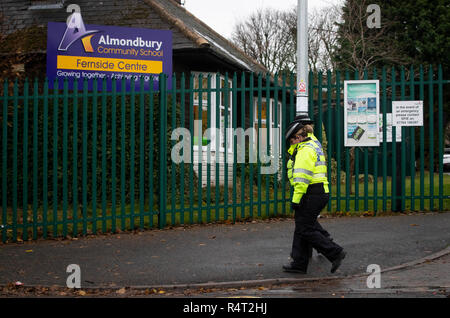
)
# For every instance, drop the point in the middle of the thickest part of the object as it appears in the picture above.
(307, 173)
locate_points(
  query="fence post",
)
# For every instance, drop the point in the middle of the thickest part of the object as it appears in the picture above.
(65, 155)
(4, 159)
(402, 145)
(94, 155)
(431, 134)
(113, 154)
(338, 141)
(54, 175)
(283, 143)
(162, 150)
(328, 135)
(422, 142)
(234, 141)
(15, 167)
(132, 149)
(103, 160)
(151, 105)
(35, 158)
(413, 145)
(384, 150)
(441, 135)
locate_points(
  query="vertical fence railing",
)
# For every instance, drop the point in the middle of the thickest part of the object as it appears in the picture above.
(90, 160)
(399, 176)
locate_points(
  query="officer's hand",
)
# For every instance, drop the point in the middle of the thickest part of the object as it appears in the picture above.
(295, 206)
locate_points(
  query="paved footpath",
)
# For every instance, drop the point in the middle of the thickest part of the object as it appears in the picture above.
(428, 277)
(244, 254)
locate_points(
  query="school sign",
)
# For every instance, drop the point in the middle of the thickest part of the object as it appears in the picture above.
(77, 51)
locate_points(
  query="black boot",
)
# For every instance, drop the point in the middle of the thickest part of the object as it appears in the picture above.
(291, 268)
(337, 262)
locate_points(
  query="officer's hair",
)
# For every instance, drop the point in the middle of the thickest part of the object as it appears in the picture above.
(308, 129)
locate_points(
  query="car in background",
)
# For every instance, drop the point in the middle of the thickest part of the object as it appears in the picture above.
(446, 160)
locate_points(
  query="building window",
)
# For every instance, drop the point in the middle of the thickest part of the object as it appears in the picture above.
(223, 110)
(275, 113)
(203, 116)
(226, 114)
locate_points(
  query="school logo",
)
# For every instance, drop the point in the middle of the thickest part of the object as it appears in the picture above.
(76, 30)
(78, 51)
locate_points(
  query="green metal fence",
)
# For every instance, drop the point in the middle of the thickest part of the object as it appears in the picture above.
(79, 161)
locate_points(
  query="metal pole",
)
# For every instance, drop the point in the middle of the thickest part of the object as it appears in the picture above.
(302, 57)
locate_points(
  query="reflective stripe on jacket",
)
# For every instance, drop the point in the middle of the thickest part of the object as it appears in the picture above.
(292, 151)
(307, 167)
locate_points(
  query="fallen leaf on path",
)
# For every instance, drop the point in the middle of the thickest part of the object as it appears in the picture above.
(121, 291)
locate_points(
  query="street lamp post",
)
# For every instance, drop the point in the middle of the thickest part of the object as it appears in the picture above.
(302, 57)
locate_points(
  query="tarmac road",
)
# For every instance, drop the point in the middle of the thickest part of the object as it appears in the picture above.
(221, 252)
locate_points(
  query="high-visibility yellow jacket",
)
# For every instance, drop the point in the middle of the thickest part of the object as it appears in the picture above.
(306, 166)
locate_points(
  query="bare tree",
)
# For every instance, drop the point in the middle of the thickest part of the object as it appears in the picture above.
(270, 37)
(266, 37)
(323, 37)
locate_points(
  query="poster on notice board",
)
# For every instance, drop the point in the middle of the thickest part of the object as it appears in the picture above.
(361, 113)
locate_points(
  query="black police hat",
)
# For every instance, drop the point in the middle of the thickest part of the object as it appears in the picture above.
(298, 123)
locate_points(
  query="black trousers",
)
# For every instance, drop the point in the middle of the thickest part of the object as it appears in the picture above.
(310, 248)
(309, 233)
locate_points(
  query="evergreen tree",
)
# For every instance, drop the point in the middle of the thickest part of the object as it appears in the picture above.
(412, 32)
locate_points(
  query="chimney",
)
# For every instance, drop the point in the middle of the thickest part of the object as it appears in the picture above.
(180, 2)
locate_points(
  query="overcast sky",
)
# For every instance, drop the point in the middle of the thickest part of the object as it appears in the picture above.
(222, 15)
